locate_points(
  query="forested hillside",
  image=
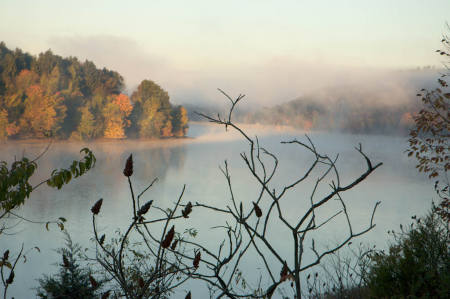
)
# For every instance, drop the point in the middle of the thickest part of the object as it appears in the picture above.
(49, 95)
(343, 114)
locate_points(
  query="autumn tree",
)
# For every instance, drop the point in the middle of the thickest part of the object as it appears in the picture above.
(151, 113)
(14, 102)
(83, 100)
(115, 114)
(3, 124)
(429, 139)
(43, 114)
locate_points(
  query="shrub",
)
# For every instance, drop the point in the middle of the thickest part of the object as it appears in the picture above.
(73, 280)
(418, 263)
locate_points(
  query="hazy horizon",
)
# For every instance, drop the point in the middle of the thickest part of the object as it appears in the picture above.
(269, 51)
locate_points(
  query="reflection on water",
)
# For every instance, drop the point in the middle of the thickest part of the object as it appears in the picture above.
(195, 162)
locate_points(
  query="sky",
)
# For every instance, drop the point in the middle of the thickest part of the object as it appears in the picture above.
(272, 51)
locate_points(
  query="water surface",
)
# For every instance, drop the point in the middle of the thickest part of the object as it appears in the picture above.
(195, 162)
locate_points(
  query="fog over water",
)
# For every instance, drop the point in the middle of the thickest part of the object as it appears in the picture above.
(194, 161)
(266, 82)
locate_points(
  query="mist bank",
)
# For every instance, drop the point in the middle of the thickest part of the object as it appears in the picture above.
(385, 104)
(311, 113)
(343, 114)
(266, 80)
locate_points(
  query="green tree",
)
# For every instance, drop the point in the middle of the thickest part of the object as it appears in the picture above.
(73, 280)
(86, 128)
(92, 122)
(151, 112)
(179, 121)
(16, 187)
(417, 265)
(54, 82)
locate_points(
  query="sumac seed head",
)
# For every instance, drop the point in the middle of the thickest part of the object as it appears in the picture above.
(128, 171)
(96, 208)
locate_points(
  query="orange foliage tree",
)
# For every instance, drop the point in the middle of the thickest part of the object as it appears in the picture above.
(43, 113)
(116, 114)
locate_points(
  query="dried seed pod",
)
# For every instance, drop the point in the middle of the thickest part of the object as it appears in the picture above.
(174, 244)
(106, 294)
(10, 278)
(188, 296)
(96, 208)
(284, 272)
(187, 210)
(94, 283)
(169, 237)
(102, 239)
(196, 261)
(258, 211)
(144, 209)
(285, 275)
(128, 170)
(197, 258)
(6, 255)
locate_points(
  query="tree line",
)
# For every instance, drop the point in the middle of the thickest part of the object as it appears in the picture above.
(48, 95)
(344, 114)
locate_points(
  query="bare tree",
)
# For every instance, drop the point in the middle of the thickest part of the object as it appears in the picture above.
(249, 228)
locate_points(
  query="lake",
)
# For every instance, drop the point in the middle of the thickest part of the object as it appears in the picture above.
(195, 162)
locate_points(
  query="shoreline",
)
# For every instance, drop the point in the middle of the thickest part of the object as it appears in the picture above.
(252, 128)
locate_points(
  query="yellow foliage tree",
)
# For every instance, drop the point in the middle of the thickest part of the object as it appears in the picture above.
(43, 113)
(116, 114)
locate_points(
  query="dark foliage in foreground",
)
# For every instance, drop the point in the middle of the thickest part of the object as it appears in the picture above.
(72, 280)
(417, 264)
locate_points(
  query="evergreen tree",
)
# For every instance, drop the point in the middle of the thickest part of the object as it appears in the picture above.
(72, 281)
(179, 121)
